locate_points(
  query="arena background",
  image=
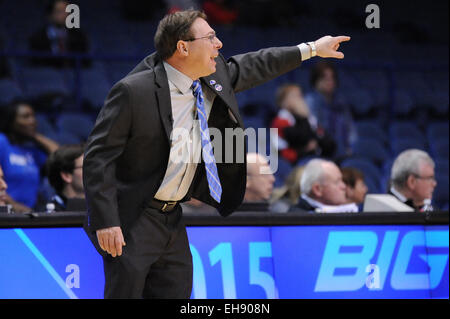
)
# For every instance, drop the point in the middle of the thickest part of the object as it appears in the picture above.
(394, 77)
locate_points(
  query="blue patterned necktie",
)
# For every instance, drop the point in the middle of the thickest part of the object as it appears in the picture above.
(215, 189)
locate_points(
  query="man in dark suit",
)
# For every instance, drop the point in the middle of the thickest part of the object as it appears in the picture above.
(413, 180)
(133, 184)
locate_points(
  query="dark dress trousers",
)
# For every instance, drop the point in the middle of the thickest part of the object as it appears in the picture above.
(125, 161)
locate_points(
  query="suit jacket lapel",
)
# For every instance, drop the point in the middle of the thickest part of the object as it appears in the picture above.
(225, 93)
(163, 96)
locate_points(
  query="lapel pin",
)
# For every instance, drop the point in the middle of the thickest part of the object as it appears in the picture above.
(218, 87)
(212, 82)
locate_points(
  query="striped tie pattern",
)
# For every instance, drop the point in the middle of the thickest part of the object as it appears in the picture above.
(212, 176)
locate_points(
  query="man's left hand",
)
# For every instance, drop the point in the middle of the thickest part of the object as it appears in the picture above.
(327, 46)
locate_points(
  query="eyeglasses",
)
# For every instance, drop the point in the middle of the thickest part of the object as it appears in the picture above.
(210, 37)
(427, 178)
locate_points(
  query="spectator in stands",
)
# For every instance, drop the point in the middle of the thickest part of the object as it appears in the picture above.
(413, 180)
(55, 38)
(331, 111)
(356, 188)
(322, 189)
(259, 185)
(23, 152)
(298, 134)
(65, 174)
(3, 188)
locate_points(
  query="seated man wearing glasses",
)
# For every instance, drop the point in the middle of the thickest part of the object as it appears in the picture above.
(65, 174)
(413, 180)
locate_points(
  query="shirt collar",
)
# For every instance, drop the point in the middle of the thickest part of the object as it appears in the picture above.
(181, 81)
(311, 201)
(322, 208)
(399, 195)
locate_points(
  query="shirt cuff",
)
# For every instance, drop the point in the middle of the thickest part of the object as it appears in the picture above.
(305, 51)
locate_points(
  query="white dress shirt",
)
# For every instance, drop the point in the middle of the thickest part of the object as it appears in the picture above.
(185, 149)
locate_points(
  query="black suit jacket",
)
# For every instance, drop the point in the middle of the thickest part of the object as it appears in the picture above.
(128, 149)
(303, 206)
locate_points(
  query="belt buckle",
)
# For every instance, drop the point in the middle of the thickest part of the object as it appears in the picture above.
(167, 204)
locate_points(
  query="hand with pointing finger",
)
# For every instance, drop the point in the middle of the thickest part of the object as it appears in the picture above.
(327, 46)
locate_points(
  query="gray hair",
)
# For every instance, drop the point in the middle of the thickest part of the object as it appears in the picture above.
(313, 173)
(406, 164)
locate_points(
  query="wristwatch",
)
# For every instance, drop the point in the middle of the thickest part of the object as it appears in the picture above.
(313, 49)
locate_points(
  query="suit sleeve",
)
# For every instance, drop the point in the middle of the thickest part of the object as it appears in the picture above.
(105, 144)
(254, 68)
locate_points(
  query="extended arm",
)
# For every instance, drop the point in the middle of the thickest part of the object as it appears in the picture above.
(254, 68)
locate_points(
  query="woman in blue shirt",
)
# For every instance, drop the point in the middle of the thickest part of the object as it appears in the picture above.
(23, 152)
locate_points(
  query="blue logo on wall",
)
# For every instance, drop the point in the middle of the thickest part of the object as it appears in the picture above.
(377, 260)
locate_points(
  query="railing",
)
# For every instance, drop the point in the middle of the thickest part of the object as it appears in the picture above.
(76, 219)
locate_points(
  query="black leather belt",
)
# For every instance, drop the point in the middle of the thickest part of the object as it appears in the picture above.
(163, 206)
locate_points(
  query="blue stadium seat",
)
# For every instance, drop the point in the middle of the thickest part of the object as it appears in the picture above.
(78, 124)
(440, 194)
(387, 166)
(254, 122)
(365, 166)
(371, 149)
(42, 80)
(9, 91)
(371, 129)
(439, 148)
(403, 102)
(437, 131)
(372, 185)
(64, 138)
(361, 101)
(384, 184)
(405, 129)
(302, 78)
(118, 70)
(399, 145)
(43, 124)
(94, 87)
(440, 102)
(441, 166)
